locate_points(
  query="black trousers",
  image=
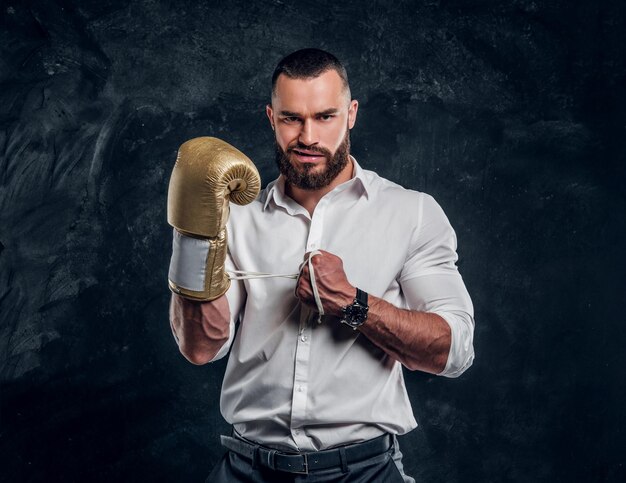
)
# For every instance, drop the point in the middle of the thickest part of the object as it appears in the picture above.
(234, 468)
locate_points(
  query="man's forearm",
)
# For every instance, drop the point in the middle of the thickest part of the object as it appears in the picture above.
(200, 328)
(419, 340)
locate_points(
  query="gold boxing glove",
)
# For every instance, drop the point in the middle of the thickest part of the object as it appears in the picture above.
(207, 175)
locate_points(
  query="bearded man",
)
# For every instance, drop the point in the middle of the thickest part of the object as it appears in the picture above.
(314, 384)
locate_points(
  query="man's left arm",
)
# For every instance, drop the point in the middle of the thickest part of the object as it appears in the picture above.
(420, 340)
(435, 334)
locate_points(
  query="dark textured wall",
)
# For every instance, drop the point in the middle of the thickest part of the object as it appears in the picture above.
(512, 114)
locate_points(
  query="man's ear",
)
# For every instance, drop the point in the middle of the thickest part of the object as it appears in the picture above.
(352, 110)
(270, 115)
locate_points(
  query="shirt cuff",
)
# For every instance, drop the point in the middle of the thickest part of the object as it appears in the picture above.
(461, 355)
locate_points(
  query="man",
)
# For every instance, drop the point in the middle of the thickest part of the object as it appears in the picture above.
(321, 398)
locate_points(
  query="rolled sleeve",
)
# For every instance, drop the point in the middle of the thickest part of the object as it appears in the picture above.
(432, 283)
(461, 355)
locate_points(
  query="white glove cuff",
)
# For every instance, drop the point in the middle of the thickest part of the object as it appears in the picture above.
(188, 262)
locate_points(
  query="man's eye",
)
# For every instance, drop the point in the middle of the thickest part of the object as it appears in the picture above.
(290, 119)
(326, 117)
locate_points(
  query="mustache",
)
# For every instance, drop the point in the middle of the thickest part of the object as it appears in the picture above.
(314, 149)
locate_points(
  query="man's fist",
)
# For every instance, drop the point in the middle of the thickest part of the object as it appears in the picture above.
(332, 284)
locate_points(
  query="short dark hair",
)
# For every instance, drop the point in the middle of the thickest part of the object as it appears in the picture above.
(308, 63)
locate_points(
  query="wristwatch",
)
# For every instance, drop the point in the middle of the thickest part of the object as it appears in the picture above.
(355, 314)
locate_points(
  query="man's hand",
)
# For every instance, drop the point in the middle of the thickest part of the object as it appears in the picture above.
(332, 284)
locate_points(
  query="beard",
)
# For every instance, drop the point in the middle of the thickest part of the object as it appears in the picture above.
(304, 177)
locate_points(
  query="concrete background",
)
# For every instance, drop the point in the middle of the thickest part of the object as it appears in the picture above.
(512, 114)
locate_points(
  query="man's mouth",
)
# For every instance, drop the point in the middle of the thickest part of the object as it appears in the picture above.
(305, 152)
(307, 155)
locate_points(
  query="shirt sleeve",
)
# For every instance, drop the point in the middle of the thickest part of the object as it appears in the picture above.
(236, 296)
(432, 283)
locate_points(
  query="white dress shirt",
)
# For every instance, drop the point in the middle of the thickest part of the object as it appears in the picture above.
(292, 383)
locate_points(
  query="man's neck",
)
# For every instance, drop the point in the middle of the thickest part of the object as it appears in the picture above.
(309, 199)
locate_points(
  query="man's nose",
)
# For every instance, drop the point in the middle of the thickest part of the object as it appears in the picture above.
(308, 133)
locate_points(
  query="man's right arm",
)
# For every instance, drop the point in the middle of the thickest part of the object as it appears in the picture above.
(201, 329)
(208, 175)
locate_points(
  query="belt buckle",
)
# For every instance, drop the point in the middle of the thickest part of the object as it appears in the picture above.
(305, 464)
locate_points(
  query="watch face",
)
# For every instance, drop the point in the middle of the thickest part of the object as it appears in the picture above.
(355, 314)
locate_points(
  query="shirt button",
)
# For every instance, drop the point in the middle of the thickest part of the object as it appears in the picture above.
(303, 338)
(299, 388)
(297, 431)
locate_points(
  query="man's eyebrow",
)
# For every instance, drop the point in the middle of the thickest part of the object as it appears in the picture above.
(327, 112)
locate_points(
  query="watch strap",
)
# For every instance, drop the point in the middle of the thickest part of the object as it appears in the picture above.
(361, 296)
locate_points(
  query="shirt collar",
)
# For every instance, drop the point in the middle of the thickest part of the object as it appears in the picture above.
(276, 189)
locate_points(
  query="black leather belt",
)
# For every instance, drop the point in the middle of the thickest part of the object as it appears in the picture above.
(305, 462)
